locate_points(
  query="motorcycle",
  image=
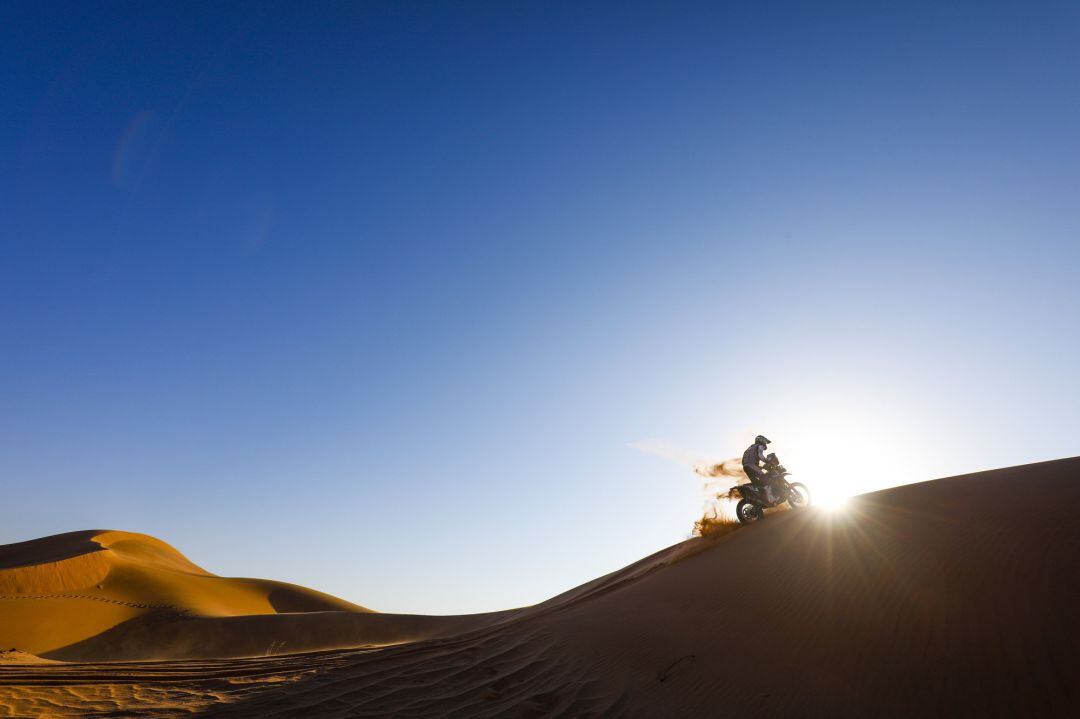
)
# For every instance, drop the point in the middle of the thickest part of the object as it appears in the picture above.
(755, 500)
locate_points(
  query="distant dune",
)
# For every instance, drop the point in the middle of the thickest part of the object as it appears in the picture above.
(956, 597)
(102, 595)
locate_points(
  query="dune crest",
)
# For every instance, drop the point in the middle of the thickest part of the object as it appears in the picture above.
(78, 560)
(62, 591)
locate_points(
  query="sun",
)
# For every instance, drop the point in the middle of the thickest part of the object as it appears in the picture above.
(838, 460)
(826, 492)
(831, 502)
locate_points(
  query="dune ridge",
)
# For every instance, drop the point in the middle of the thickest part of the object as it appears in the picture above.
(953, 597)
(58, 593)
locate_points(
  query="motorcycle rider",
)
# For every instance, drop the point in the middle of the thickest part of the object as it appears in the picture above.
(752, 460)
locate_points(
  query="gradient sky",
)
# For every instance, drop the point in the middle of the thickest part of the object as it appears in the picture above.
(375, 297)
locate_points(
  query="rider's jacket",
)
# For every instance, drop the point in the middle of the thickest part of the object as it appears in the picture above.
(754, 455)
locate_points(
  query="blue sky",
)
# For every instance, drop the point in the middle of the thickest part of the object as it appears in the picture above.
(375, 297)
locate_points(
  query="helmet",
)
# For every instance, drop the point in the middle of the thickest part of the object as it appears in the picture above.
(762, 440)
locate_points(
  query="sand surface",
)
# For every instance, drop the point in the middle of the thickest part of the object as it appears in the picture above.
(956, 597)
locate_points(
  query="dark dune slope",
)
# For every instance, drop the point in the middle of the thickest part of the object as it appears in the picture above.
(956, 597)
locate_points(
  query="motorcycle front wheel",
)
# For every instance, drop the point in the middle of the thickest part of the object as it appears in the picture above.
(799, 495)
(748, 512)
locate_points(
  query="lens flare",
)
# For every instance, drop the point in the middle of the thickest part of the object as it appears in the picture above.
(134, 149)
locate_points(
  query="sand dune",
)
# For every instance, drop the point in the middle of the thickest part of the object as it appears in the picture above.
(955, 597)
(107, 596)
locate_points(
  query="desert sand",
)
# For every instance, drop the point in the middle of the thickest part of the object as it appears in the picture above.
(953, 597)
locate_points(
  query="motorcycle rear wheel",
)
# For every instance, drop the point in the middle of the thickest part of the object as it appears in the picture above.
(748, 512)
(799, 496)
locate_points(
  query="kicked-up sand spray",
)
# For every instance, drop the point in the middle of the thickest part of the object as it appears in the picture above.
(718, 481)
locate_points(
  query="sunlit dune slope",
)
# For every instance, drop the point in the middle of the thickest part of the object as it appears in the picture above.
(57, 591)
(955, 597)
(102, 595)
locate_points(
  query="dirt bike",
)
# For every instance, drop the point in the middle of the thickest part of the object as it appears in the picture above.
(755, 501)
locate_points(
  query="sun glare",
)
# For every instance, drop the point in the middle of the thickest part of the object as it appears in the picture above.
(831, 502)
(839, 459)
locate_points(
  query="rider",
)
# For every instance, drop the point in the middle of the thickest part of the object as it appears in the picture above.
(752, 459)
